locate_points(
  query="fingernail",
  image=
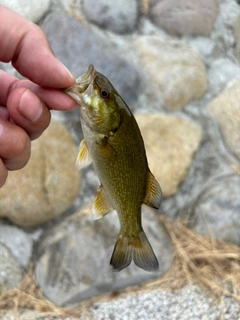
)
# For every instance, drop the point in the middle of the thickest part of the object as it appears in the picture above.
(66, 69)
(30, 106)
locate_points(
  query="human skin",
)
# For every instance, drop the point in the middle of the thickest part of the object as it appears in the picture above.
(25, 104)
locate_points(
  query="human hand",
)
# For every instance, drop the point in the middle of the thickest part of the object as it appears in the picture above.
(25, 104)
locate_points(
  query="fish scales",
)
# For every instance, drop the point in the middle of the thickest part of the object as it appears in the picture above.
(132, 168)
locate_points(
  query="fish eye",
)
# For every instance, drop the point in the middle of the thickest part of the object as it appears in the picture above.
(105, 94)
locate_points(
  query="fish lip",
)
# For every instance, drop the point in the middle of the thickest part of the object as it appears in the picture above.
(86, 76)
(81, 85)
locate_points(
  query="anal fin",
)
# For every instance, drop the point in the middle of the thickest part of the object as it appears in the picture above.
(101, 205)
(84, 156)
(153, 195)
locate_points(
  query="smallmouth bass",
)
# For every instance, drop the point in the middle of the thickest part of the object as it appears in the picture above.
(113, 143)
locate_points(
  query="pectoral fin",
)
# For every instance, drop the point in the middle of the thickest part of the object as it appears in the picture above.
(84, 157)
(153, 192)
(101, 205)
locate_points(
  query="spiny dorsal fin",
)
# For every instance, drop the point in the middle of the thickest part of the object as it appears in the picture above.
(101, 205)
(84, 157)
(153, 195)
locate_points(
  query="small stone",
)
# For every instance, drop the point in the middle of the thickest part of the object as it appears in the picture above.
(73, 263)
(78, 47)
(171, 143)
(31, 10)
(47, 185)
(11, 273)
(185, 17)
(120, 17)
(175, 69)
(225, 108)
(216, 211)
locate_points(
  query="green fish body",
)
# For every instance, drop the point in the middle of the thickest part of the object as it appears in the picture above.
(113, 143)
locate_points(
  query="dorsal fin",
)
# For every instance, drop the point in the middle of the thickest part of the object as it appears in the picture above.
(153, 195)
(101, 205)
(84, 156)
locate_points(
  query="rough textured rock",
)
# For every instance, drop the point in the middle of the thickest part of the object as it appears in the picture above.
(189, 303)
(49, 183)
(32, 10)
(11, 273)
(185, 17)
(225, 108)
(120, 17)
(176, 70)
(77, 47)
(171, 143)
(216, 211)
(74, 257)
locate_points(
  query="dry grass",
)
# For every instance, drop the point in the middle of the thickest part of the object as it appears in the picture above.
(28, 297)
(211, 264)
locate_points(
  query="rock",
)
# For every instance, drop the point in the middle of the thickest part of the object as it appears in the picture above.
(77, 47)
(11, 273)
(190, 302)
(228, 11)
(152, 3)
(19, 242)
(175, 69)
(222, 34)
(225, 108)
(120, 17)
(236, 33)
(216, 211)
(210, 160)
(171, 143)
(185, 17)
(73, 262)
(221, 72)
(32, 10)
(205, 46)
(48, 184)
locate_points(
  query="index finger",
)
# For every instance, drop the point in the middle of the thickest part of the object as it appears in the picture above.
(25, 44)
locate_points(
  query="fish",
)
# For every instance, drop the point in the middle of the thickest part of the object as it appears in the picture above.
(114, 145)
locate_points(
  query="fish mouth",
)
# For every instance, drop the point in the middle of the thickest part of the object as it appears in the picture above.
(81, 85)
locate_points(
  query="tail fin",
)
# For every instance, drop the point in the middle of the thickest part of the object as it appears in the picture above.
(137, 249)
